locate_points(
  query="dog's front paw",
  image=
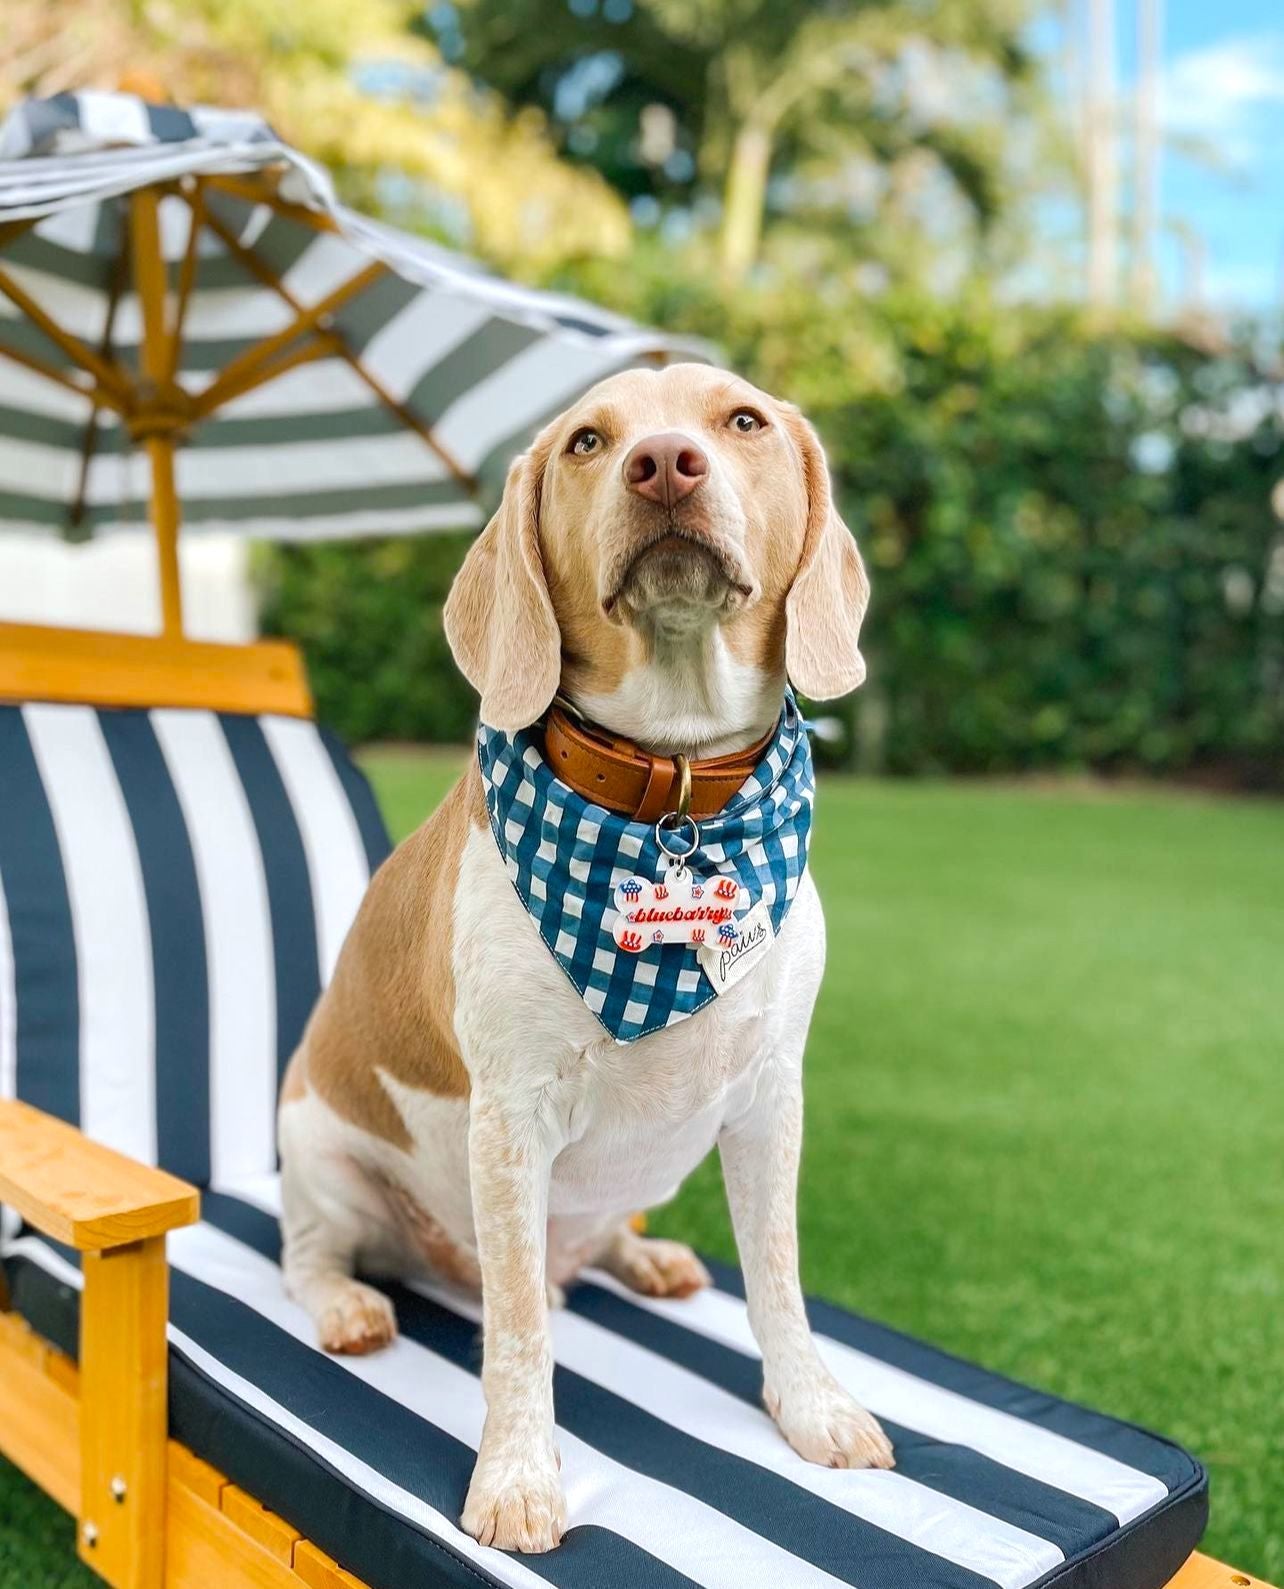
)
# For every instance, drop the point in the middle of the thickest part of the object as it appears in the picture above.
(516, 1506)
(654, 1267)
(358, 1320)
(826, 1425)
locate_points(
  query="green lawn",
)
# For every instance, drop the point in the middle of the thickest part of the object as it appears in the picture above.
(1045, 1120)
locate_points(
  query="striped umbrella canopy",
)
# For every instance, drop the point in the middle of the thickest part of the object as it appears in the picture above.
(192, 325)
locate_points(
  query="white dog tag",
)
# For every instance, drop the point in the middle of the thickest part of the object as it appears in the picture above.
(725, 964)
(681, 908)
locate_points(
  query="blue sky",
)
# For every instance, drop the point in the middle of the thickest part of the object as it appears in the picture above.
(1223, 166)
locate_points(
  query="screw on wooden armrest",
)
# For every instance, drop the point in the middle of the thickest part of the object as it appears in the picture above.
(90, 1534)
(119, 1490)
(1239, 1578)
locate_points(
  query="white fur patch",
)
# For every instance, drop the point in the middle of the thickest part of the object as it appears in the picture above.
(706, 700)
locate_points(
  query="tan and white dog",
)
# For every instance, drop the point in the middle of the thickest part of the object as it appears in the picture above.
(665, 554)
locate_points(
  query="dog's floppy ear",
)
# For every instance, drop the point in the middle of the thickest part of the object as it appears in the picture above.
(827, 600)
(499, 618)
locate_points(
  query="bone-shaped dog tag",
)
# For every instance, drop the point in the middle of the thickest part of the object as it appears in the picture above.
(680, 908)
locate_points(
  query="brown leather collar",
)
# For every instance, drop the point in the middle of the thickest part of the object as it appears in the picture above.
(615, 773)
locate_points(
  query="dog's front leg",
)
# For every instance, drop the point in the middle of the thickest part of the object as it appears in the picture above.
(515, 1499)
(760, 1155)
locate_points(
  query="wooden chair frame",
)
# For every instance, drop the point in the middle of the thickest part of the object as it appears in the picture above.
(150, 1514)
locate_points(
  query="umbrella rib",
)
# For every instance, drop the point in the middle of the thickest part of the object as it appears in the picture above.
(107, 375)
(96, 394)
(243, 373)
(254, 192)
(90, 439)
(186, 279)
(308, 353)
(401, 411)
(10, 231)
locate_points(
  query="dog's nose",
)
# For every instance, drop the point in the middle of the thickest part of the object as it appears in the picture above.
(665, 468)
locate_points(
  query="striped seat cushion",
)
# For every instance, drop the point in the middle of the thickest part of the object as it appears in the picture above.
(674, 1474)
(174, 890)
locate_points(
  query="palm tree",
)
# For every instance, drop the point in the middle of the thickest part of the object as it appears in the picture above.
(764, 89)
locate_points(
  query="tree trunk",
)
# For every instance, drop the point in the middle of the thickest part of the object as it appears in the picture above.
(746, 198)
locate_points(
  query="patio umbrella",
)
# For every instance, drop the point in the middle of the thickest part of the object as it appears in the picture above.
(193, 328)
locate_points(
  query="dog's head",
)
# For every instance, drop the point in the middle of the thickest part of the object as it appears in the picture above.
(664, 500)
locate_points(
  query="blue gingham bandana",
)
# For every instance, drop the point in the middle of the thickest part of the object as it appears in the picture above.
(565, 857)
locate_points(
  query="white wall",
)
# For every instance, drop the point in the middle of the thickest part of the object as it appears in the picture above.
(110, 583)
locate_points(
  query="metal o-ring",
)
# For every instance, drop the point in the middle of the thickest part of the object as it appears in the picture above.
(670, 824)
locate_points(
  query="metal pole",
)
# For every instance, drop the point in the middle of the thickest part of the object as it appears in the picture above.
(150, 285)
(1103, 165)
(1072, 75)
(1150, 21)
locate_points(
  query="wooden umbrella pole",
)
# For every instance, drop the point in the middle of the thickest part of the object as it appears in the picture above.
(165, 521)
(154, 423)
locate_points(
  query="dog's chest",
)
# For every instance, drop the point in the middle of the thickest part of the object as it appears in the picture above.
(640, 1116)
(631, 1119)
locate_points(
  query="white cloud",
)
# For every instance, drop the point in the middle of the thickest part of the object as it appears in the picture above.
(1222, 94)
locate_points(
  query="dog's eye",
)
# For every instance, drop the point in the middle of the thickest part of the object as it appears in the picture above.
(746, 421)
(584, 442)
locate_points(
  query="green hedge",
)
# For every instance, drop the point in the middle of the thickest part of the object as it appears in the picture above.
(368, 616)
(1074, 557)
(1075, 563)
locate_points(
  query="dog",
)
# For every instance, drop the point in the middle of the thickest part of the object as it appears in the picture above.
(665, 558)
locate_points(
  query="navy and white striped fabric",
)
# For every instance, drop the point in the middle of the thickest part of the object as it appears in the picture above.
(674, 1475)
(314, 452)
(175, 887)
(566, 856)
(68, 124)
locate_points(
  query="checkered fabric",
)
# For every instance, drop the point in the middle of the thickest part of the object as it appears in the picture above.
(566, 855)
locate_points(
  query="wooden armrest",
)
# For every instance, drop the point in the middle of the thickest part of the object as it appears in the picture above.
(1202, 1572)
(81, 1193)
